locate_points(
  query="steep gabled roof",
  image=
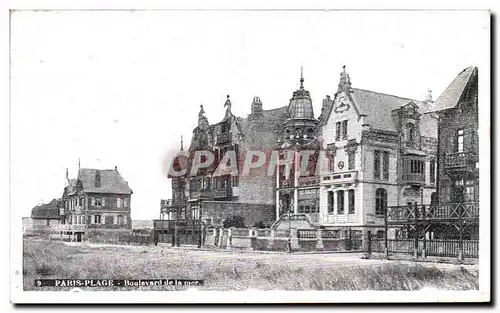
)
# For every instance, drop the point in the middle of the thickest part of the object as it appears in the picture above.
(46, 211)
(452, 94)
(377, 107)
(111, 181)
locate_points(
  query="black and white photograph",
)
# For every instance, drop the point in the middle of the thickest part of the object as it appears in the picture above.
(179, 156)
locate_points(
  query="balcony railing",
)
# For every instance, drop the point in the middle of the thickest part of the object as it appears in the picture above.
(308, 181)
(339, 177)
(201, 193)
(451, 211)
(286, 183)
(459, 159)
(223, 192)
(413, 178)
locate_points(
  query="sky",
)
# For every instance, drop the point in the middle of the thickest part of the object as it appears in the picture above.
(119, 88)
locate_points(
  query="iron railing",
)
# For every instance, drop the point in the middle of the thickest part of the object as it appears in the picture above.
(459, 159)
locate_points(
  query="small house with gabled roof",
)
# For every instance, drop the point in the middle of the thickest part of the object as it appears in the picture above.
(45, 214)
(98, 199)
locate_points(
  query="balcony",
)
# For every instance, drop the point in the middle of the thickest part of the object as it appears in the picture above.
(413, 178)
(223, 137)
(201, 193)
(339, 178)
(459, 160)
(226, 192)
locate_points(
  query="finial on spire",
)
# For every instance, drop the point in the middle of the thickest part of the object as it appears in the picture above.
(301, 77)
(201, 110)
(228, 102)
(182, 143)
(78, 163)
(345, 80)
(67, 174)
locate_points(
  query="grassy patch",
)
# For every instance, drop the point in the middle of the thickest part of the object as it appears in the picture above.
(46, 259)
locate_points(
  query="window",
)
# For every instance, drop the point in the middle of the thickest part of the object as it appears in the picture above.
(380, 234)
(337, 131)
(385, 165)
(432, 171)
(80, 202)
(340, 202)
(350, 159)
(89, 219)
(380, 201)
(351, 201)
(330, 202)
(109, 219)
(410, 133)
(460, 140)
(235, 181)
(376, 164)
(433, 198)
(125, 201)
(344, 129)
(118, 202)
(92, 201)
(469, 190)
(97, 219)
(120, 220)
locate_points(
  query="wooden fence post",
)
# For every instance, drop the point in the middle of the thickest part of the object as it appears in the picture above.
(415, 233)
(369, 245)
(319, 244)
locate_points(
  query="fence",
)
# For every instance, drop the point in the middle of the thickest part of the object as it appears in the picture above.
(136, 238)
(433, 247)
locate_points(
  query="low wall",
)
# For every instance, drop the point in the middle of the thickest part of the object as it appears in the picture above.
(218, 211)
(280, 240)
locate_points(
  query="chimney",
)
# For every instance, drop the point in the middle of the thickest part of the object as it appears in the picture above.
(256, 109)
(116, 168)
(97, 182)
(429, 96)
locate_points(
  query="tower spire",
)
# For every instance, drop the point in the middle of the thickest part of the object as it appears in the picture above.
(78, 163)
(182, 143)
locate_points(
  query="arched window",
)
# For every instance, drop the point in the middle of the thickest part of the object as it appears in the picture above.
(433, 198)
(380, 201)
(410, 132)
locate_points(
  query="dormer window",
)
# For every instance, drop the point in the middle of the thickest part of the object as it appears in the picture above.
(98, 179)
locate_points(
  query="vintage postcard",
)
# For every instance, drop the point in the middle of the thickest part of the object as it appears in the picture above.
(249, 156)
